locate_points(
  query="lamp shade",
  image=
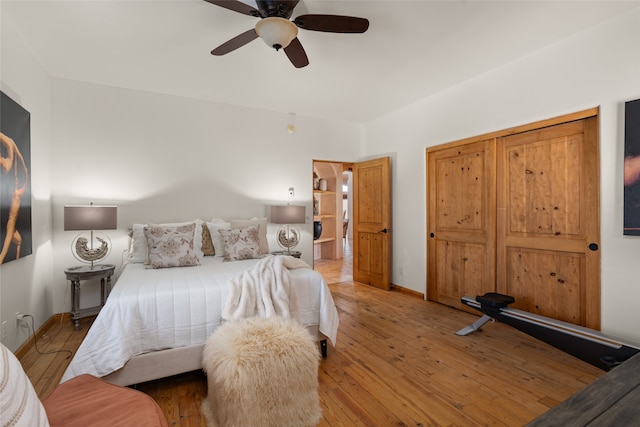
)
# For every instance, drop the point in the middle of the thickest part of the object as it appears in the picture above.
(276, 32)
(90, 217)
(288, 214)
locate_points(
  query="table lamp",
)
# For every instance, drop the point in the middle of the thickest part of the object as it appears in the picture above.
(288, 236)
(90, 218)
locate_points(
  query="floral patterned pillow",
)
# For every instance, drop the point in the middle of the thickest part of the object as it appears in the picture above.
(241, 243)
(171, 246)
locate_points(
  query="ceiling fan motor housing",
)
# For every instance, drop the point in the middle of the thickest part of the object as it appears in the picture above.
(282, 9)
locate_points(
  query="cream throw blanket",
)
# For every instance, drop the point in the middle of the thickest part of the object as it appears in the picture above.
(264, 290)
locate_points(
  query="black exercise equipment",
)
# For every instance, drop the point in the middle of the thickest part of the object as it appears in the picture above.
(591, 346)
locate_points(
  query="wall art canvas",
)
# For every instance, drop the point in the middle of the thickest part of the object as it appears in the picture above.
(15, 180)
(632, 168)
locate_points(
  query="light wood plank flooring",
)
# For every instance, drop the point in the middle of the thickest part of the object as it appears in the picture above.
(397, 362)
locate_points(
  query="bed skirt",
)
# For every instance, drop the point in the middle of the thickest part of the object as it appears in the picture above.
(165, 363)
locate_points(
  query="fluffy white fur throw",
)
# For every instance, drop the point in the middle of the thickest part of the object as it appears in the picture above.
(264, 290)
(261, 373)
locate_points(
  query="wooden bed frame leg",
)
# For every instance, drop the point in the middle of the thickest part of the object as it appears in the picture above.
(323, 348)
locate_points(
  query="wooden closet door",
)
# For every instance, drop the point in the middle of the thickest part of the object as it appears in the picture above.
(548, 221)
(461, 222)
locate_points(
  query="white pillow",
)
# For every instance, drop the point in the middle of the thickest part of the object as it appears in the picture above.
(216, 237)
(19, 403)
(171, 246)
(138, 249)
(241, 243)
(262, 230)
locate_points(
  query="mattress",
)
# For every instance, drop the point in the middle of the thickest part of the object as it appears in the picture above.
(156, 309)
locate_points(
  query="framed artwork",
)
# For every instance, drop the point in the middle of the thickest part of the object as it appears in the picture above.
(632, 168)
(15, 180)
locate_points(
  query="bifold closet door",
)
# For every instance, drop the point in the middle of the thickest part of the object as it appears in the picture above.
(548, 221)
(461, 222)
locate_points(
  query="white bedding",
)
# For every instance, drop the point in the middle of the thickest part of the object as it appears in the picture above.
(156, 309)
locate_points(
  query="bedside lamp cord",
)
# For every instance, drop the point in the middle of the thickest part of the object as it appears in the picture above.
(35, 342)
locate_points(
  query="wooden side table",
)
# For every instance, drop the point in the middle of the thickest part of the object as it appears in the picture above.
(85, 272)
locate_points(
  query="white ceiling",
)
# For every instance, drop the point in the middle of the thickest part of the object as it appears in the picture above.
(411, 50)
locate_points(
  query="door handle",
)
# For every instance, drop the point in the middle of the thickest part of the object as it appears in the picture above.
(385, 230)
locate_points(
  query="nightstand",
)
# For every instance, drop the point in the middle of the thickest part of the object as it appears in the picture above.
(295, 254)
(85, 272)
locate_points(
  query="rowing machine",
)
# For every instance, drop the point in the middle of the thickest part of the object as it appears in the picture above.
(591, 346)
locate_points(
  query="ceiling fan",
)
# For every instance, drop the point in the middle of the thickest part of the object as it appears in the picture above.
(279, 32)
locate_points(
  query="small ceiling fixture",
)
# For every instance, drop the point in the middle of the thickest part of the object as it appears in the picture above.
(291, 123)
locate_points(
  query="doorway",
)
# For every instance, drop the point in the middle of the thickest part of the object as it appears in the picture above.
(367, 217)
(332, 207)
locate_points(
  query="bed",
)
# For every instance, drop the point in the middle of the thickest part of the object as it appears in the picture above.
(156, 320)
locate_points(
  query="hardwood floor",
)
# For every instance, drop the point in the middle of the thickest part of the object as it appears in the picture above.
(397, 362)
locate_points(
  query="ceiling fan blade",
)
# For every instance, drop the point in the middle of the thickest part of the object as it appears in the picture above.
(332, 23)
(296, 54)
(236, 6)
(236, 42)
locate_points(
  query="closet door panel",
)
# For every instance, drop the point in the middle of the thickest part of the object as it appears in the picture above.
(547, 282)
(461, 268)
(544, 185)
(461, 222)
(547, 199)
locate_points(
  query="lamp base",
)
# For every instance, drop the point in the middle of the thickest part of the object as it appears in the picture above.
(91, 248)
(295, 254)
(288, 237)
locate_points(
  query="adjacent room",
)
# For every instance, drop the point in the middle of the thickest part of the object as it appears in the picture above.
(363, 164)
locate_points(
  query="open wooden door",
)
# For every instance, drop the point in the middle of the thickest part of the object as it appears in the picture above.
(372, 222)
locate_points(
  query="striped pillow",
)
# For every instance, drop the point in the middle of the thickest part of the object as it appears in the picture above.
(19, 403)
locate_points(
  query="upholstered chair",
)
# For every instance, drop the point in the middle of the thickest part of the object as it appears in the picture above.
(80, 402)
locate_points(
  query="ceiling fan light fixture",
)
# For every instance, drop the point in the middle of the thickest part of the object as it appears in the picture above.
(276, 32)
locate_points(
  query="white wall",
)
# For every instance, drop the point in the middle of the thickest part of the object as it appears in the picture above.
(163, 158)
(24, 283)
(600, 67)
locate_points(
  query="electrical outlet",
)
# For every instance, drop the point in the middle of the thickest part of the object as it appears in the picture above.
(19, 317)
(3, 333)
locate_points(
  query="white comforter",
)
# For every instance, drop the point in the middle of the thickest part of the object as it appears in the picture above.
(157, 309)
